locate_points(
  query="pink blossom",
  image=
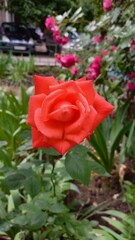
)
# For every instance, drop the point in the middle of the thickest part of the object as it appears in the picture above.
(51, 24)
(94, 69)
(131, 75)
(67, 61)
(104, 52)
(113, 48)
(107, 5)
(59, 39)
(96, 39)
(74, 71)
(132, 48)
(64, 40)
(105, 38)
(131, 86)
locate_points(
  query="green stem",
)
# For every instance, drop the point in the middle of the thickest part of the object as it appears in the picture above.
(52, 178)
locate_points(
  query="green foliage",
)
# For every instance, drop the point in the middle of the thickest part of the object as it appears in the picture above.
(15, 71)
(29, 12)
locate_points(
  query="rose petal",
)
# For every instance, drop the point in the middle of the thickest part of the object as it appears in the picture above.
(62, 146)
(84, 108)
(34, 103)
(42, 84)
(88, 90)
(81, 79)
(85, 129)
(50, 101)
(69, 87)
(51, 129)
(64, 113)
(103, 109)
(39, 140)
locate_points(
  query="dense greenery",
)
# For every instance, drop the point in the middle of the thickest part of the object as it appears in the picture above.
(35, 183)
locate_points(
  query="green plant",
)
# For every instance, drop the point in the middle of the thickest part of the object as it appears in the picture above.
(5, 61)
(13, 131)
(108, 136)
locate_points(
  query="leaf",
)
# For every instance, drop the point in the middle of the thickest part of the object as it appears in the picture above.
(77, 164)
(114, 234)
(116, 13)
(129, 141)
(36, 219)
(20, 235)
(116, 213)
(98, 168)
(32, 186)
(105, 235)
(115, 223)
(58, 208)
(14, 181)
(51, 152)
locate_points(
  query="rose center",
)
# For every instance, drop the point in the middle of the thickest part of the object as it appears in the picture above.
(64, 111)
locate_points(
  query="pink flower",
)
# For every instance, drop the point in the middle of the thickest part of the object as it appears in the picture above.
(113, 48)
(67, 61)
(131, 75)
(59, 39)
(51, 24)
(131, 86)
(64, 40)
(104, 52)
(107, 5)
(94, 69)
(96, 39)
(105, 38)
(74, 71)
(132, 48)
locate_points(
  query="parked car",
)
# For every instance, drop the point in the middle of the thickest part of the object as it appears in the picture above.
(44, 42)
(15, 38)
(74, 41)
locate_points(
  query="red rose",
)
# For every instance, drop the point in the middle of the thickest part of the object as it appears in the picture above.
(63, 114)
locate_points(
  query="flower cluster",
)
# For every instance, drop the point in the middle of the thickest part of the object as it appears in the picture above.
(94, 69)
(96, 39)
(51, 25)
(66, 61)
(131, 86)
(62, 114)
(107, 5)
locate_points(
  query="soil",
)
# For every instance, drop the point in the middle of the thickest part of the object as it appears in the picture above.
(103, 193)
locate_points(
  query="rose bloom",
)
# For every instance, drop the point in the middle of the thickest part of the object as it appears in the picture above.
(131, 86)
(113, 48)
(63, 114)
(66, 61)
(59, 39)
(74, 71)
(94, 69)
(96, 39)
(104, 52)
(131, 75)
(132, 48)
(51, 24)
(107, 5)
